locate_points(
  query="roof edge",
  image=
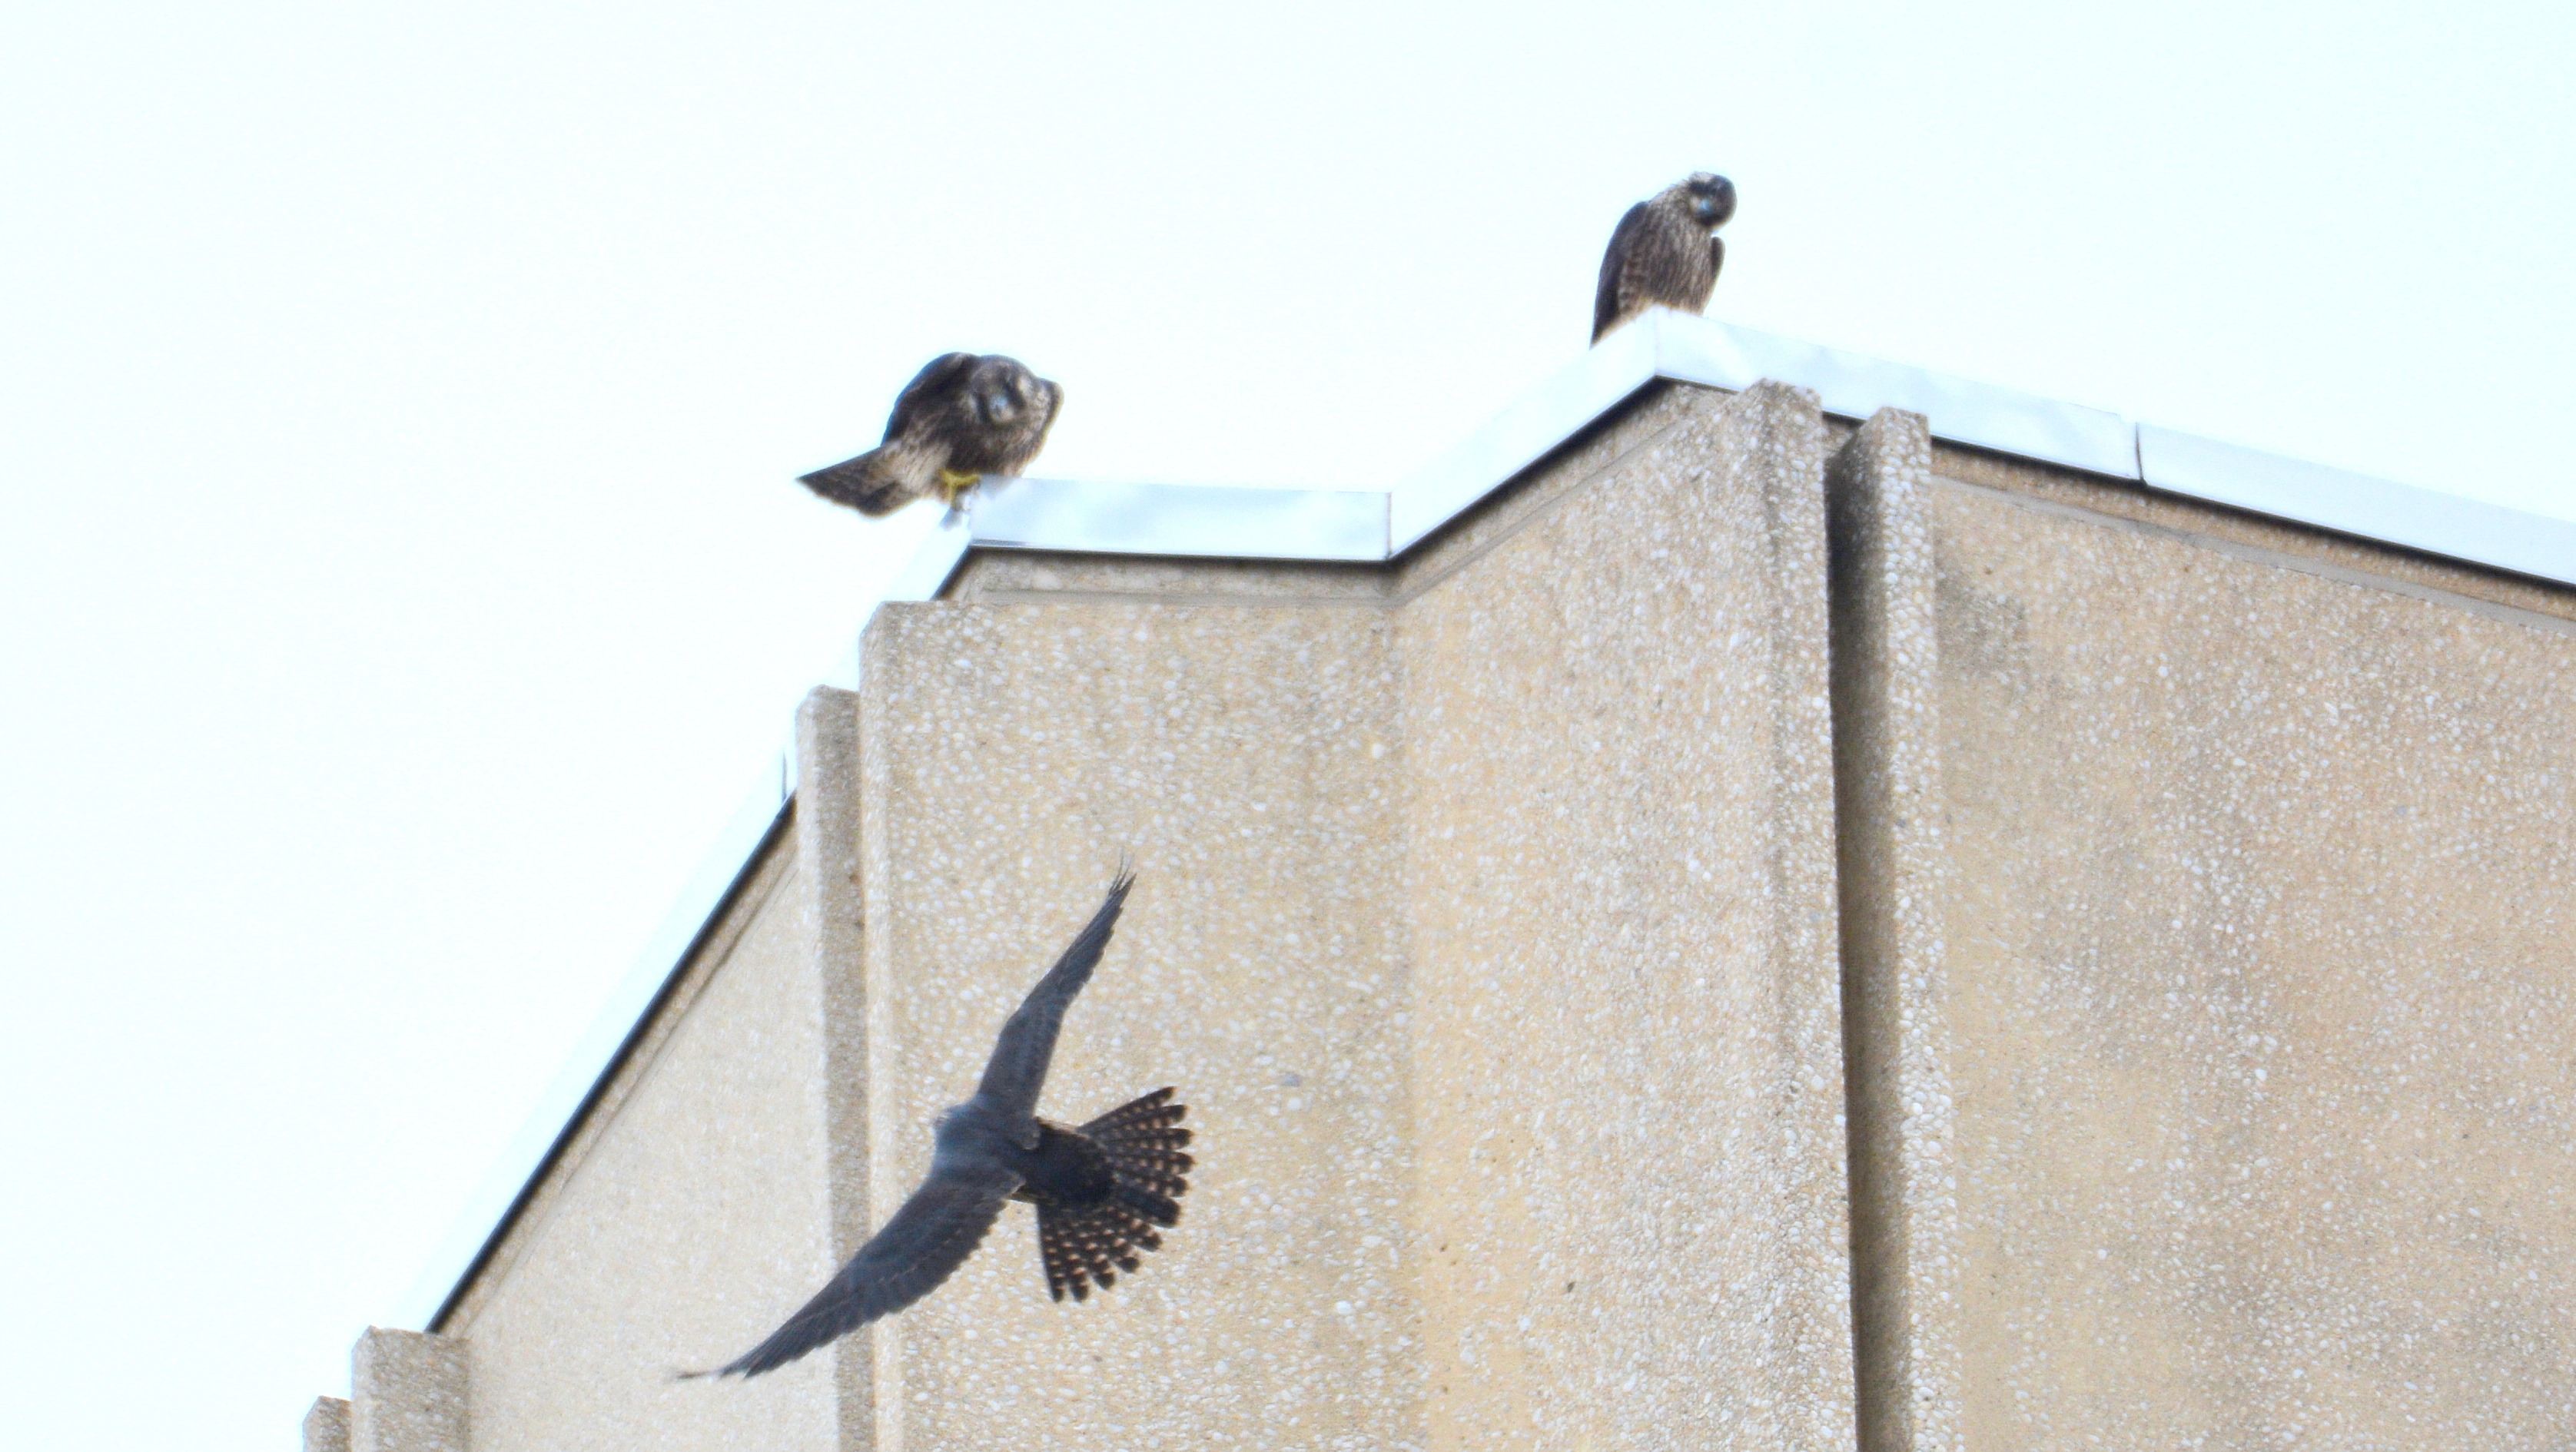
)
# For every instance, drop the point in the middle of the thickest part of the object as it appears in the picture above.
(1220, 521)
(2473, 530)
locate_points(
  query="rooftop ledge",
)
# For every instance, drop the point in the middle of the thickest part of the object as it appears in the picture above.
(1088, 517)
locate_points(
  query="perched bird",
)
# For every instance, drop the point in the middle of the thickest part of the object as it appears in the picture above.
(1665, 251)
(960, 418)
(1100, 1188)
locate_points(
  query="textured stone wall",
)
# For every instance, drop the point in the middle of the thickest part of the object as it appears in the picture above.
(2178, 905)
(1249, 760)
(2261, 924)
(1400, 906)
(326, 1425)
(1892, 868)
(1628, 1051)
(692, 1212)
(407, 1393)
(833, 912)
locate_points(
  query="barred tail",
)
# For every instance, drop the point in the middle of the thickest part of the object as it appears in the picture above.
(876, 482)
(1143, 1138)
(1090, 1245)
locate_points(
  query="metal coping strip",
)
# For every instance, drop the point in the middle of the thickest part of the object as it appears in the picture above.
(1208, 521)
(1524, 433)
(2358, 504)
(1367, 525)
(1181, 519)
(1697, 350)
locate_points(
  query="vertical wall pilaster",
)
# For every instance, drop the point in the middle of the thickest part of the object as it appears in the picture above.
(827, 843)
(1905, 1241)
(1628, 1042)
(326, 1426)
(407, 1393)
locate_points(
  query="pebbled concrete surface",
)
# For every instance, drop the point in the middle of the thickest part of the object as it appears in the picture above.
(2262, 985)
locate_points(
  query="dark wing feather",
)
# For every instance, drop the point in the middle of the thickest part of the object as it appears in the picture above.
(938, 378)
(1605, 299)
(1019, 1064)
(905, 1260)
(1716, 258)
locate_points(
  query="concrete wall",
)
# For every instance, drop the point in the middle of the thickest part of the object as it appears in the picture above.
(2221, 997)
(1249, 759)
(1621, 890)
(1892, 865)
(2261, 988)
(1470, 1175)
(2177, 903)
(689, 1216)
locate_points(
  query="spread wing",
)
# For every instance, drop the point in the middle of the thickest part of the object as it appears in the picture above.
(938, 378)
(1605, 298)
(905, 1260)
(1019, 1063)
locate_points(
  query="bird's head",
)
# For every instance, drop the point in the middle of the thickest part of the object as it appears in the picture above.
(1004, 392)
(1711, 199)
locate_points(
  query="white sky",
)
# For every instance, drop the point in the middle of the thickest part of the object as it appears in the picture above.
(403, 575)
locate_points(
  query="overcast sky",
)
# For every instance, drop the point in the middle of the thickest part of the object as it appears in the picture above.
(399, 406)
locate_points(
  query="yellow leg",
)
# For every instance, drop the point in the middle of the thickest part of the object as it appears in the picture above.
(953, 482)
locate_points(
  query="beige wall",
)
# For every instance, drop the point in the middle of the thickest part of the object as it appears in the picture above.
(2259, 919)
(690, 1219)
(1631, 1227)
(1392, 908)
(1249, 759)
(1891, 867)
(2188, 896)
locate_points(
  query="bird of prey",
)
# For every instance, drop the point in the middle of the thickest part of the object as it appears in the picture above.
(1666, 251)
(1100, 1188)
(960, 418)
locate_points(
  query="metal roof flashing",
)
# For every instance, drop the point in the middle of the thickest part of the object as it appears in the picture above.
(1212, 521)
(1222, 521)
(2357, 504)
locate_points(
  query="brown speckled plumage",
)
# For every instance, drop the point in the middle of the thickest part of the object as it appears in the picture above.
(961, 417)
(1666, 251)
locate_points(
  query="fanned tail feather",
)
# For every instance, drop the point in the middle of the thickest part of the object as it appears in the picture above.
(879, 481)
(1090, 1245)
(1143, 1139)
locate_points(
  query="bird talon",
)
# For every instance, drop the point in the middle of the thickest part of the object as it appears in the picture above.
(955, 482)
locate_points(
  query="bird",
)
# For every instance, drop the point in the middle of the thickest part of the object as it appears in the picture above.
(960, 418)
(1665, 251)
(1100, 1189)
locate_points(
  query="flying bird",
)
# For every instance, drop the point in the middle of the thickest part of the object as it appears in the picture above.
(1099, 1188)
(1666, 251)
(960, 418)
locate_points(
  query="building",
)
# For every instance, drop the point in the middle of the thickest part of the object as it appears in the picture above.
(1853, 909)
